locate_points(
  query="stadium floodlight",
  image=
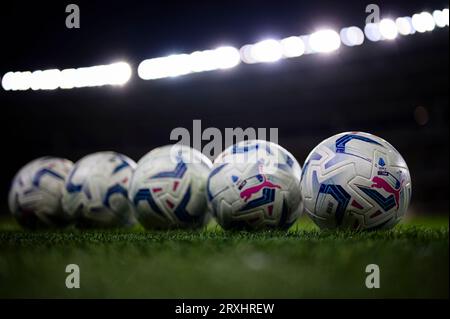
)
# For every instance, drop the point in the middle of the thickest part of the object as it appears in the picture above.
(372, 32)
(176, 65)
(352, 36)
(34, 80)
(404, 25)
(440, 19)
(418, 23)
(245, 53)
(20, 81)
(227, 57)
(292, 47)
(112, 74)
(324, 41)
(429, 21)
(7, 81)
(224, 57)
(68, 79)
(269, 50)
(83, 77)
(116, 74)
(93, 76)
(388, 29)
(445, 13)
(24, 80)
(151, 69)
(201, 61)
(46, 80)
(423, 22)
(17, 81)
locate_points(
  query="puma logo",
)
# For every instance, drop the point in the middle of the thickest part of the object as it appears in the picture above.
(378, 182)
(246, 194)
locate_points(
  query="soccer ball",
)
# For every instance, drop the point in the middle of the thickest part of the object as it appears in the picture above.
(96, 191)
(168, 188)
(35, 194)
(255, 184)
(356, 181)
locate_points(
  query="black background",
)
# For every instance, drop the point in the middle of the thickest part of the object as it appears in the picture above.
(165, 308)
(374, 88)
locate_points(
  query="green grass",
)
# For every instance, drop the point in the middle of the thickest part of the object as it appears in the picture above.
(302, 263)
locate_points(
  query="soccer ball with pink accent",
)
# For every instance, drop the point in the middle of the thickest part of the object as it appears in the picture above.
(36, 191)
(357, 181)
(255, 185)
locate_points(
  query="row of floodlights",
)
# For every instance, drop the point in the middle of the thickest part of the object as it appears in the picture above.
(112, 74)
(226, 57)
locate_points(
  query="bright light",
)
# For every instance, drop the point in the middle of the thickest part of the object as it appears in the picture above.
(35, 80)
(245, 53)
(352, 36)
(68, 78)
(113, 74)
(324, 41)
(176, 65)
(95, 76)
(440, 19)
(152, 69)
(429, 21)
(50, 79)
(423, 22)
(180, 64)
(201, 61)
(224, 57)
(117, 73)
(305, 39)
(418, 23)
(404, 26)
(372, 32)
(292, 47)
(207, 60)
(221, 58)
(7, 81)
(266, 51)
(83, 77)
(445, 13)
(227, 57)
(16, 81)
(388, 29)
(24, 80)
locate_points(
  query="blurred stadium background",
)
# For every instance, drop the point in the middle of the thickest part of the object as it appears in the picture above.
(397, 89)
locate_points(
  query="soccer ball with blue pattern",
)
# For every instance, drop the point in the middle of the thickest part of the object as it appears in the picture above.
(357, 181)
(96, 191)
(255, 185)
(168, 188)
(35, 194)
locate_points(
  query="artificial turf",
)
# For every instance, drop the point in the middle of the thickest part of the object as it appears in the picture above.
(211, 263)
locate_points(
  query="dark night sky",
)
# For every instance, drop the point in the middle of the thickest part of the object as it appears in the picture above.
(34, 33)
(375, 87)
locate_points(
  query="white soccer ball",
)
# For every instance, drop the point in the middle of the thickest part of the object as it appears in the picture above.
(168, 188)
(356, 180)
(255, 184)
(96, 191)
(35, 194)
